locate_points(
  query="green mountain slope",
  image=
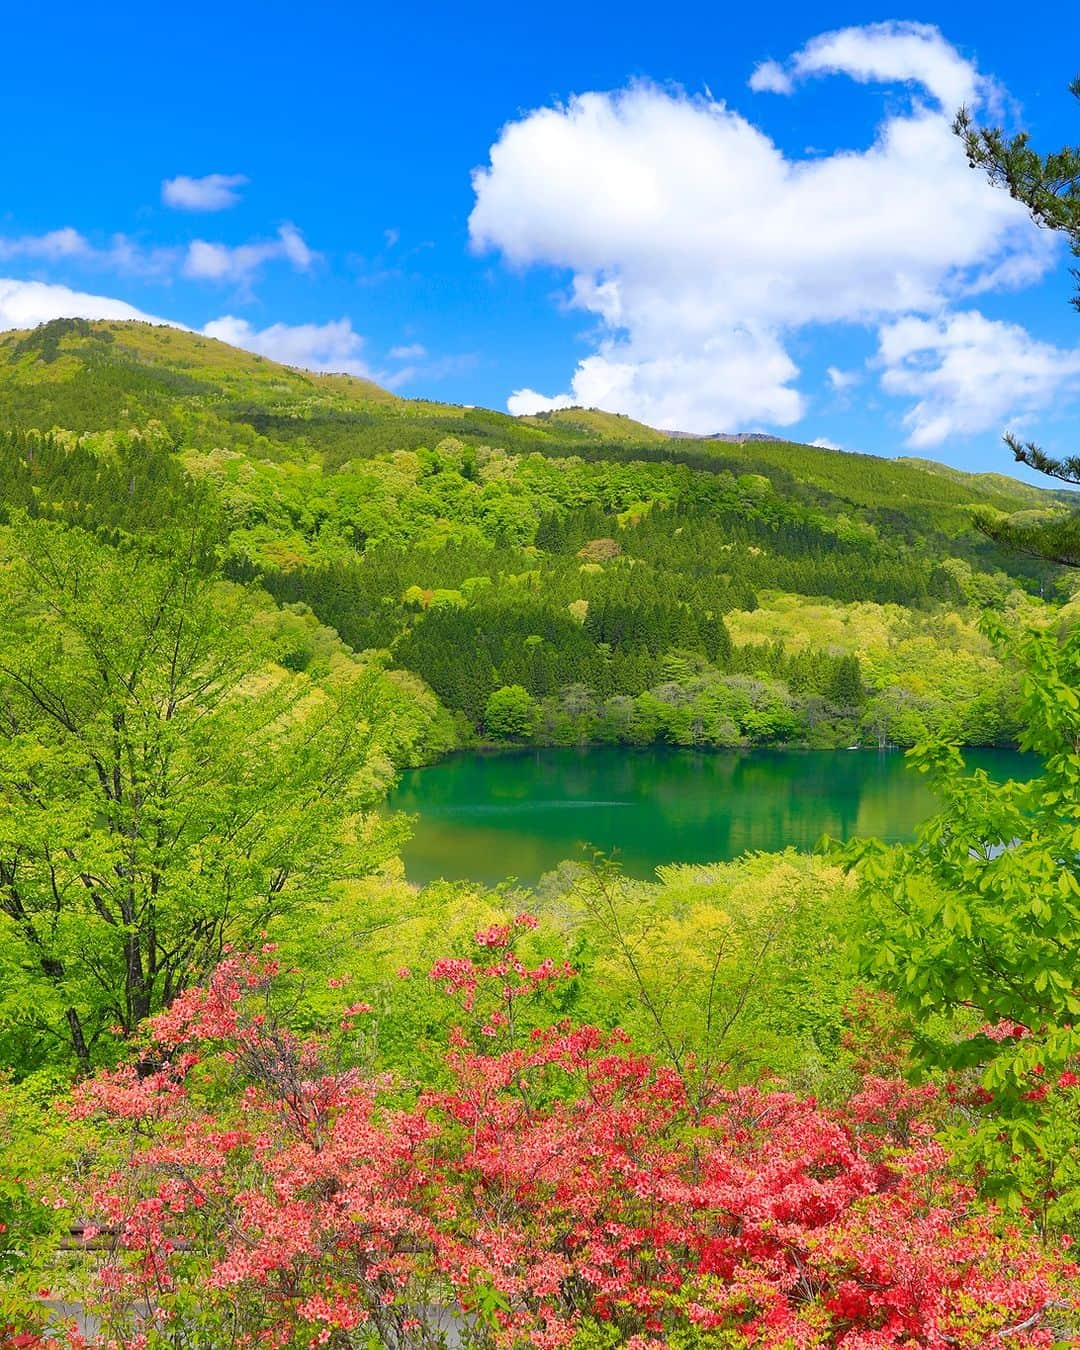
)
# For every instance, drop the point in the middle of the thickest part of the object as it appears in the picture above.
(622, 584)
(998, 483)
(97, 376)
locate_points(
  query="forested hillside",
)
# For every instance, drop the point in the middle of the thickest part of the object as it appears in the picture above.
(563, 578)
(257, 1088)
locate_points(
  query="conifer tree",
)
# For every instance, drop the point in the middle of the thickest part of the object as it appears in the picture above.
(1049, 186)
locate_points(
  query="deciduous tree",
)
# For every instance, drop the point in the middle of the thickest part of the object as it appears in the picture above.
(976, 930)
(165, 786)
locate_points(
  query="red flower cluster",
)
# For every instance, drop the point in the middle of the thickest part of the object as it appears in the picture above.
(549, 1184)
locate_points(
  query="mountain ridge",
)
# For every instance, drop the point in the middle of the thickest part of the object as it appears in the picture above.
(88, 376)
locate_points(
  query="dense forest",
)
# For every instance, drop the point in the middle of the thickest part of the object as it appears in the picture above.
(258, 1089)
(564, 579)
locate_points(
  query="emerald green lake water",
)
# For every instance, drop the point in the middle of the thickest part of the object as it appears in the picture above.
(487, 817)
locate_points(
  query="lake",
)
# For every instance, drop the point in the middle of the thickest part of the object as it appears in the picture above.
(486, 817)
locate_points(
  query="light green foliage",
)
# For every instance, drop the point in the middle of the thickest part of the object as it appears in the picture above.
(510, 713)
(594, 1335)
(924, 673)
(731, 972)
(980, 920)
(35, 1141)
(166, 786)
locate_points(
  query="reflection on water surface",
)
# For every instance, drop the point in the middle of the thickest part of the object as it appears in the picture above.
(488, 817)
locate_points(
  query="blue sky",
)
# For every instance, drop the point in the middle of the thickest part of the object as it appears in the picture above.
(648, 232)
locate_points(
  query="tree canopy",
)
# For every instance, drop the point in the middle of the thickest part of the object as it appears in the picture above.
(167, 787)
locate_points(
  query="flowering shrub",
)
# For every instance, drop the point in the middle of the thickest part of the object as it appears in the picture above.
(560, 1188)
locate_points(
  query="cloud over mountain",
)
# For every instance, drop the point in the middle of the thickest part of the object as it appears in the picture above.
(701, 248)
(333, 346)
(25, 304)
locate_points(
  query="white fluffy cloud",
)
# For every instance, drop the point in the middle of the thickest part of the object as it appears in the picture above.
(770, 77)
(214, 192)
(239, 264)
(969, 373)
(745, 373)
(700, 247)
(527, 402)
(327, 347)
(25, 304)
(883, 53)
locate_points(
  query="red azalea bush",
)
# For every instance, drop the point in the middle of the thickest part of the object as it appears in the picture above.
(559, 1188)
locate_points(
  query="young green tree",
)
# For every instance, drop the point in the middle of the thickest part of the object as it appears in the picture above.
(510, 713)
(1049, 186)
(166, 788)
(727, 972)
(975, 928)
